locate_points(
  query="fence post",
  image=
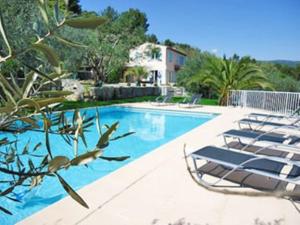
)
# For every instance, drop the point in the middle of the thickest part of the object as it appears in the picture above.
(264, 100)
(244, 99)
(286, 103)
(228, 97)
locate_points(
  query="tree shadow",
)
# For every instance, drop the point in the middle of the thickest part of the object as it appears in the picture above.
(257, 221)
(180, 221)
(37, 200)
(280, 221)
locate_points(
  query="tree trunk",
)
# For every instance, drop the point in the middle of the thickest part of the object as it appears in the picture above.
(223, 100)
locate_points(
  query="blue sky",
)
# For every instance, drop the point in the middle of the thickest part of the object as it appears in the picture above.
(264, 29)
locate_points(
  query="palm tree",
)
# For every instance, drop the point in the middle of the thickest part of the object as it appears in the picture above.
(223, 75)
(138, 72)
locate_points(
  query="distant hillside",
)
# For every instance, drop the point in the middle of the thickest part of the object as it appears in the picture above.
(283, 62)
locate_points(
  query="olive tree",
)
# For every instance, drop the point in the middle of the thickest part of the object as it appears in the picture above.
(27, 106)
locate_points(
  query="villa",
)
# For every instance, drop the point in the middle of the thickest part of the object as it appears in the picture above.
(161, 61)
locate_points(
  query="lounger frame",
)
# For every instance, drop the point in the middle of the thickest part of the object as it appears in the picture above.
(241, 167)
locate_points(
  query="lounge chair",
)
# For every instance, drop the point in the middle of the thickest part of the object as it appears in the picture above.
(162, 100)
(258, 124)
(257, 116)
(240, 167)
(273, 150)
(267, 137)
(191, 101)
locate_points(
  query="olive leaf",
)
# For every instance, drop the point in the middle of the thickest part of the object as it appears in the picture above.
(77, 118)
(6, 109)
(37, 146)
(57, 163)
(10, 157)
(54, 93)
(13, 199)
(7, 89)
(42, 8)
(26, 148)
(29, 103)
(71, 192)
(120, 158)
(122, 136)
(56, 12)
(35, 181)
(48, 53)
(45, 161)
(54, 76)
(30, 78)
(3, 33)
(47, 125)
(86, 157)
(4, 141)
(68, 42)
(30, 121)
(47, 102)
(38, 72)
(85, 23)
(104, 139)
(98, 121)
(5, 210)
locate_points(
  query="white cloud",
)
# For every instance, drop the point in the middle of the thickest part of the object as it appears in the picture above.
(215, 50)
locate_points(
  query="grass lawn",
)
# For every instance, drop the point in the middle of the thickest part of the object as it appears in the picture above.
(80, 104)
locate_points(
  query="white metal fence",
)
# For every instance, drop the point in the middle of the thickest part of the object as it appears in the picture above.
(279, 102)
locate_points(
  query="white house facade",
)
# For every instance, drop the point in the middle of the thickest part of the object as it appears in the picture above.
(161, 61)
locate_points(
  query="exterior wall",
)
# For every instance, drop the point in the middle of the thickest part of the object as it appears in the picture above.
(173, 64)
(165, 67)
(139, 57)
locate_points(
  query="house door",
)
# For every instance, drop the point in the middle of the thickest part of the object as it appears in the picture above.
(155, 76)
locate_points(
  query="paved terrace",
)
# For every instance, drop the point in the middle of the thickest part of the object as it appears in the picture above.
(157, 189)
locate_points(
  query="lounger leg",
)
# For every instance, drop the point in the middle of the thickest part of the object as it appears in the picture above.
(225, 141)
(250, 127)
(239, 140)
(239, 124)
(199, 175)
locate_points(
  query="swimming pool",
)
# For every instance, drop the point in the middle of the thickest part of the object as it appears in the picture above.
(152, 128)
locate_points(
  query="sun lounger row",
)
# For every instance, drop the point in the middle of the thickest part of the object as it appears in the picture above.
(263, 116)
(189, 102)
(265, 160)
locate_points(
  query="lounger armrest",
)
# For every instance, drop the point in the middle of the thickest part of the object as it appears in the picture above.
(285, 148)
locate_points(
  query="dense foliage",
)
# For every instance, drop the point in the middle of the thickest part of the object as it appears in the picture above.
(108, 48)
(279, 77)
(26, 104)
(223, 75)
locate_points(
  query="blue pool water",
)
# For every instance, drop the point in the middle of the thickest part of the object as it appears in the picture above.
(153, 128)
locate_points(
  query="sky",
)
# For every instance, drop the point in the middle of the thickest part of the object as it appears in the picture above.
(263, 29)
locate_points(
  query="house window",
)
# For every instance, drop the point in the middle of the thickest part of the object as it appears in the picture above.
(155, 55)
(172, 77)
(138, 56)
(170, 56)
(180, 60)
